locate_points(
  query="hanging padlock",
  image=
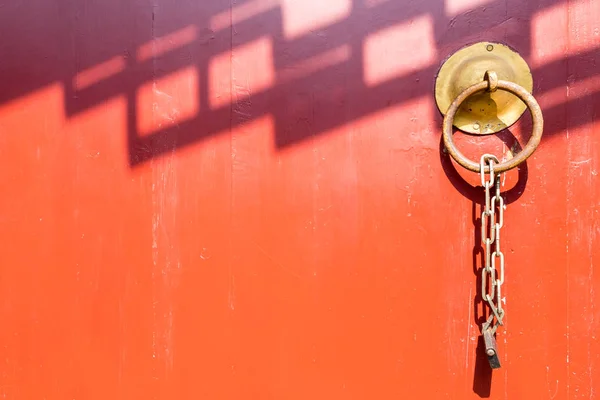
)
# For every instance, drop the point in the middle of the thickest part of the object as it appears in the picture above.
(490, 348)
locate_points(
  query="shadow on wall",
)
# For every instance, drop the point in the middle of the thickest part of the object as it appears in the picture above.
(308, 66)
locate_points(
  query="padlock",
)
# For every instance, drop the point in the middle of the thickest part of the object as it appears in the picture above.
(490, 348)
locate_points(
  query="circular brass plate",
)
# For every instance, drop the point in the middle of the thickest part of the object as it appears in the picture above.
(483, 113)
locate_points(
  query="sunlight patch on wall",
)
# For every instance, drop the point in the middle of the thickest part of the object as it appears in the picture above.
(456, 7)
(559, 31)
(168, 101)
(313, 64)
(252, 71)
(374, 3)
(164, 44)
(219, 80)
(584, 26)
(549, 35)
(240, 13)
(99, 72)
(399, 50)
(302, 16)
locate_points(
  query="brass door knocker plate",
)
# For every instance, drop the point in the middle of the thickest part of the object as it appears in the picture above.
(489, 111)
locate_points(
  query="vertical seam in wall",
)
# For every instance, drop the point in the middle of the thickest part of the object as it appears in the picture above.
(231, 158)
(568, 198)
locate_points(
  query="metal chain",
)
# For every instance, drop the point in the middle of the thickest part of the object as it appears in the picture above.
(492, 220)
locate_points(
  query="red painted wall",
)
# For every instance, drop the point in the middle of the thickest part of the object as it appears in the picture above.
(247, 200)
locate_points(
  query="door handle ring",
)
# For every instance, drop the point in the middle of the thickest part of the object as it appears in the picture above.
(492, 83)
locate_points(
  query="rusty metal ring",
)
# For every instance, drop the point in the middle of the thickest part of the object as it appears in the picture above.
(521, 93)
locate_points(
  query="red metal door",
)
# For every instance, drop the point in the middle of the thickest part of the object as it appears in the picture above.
(248, 200)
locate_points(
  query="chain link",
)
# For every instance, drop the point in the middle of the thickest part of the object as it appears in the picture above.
(492, 220)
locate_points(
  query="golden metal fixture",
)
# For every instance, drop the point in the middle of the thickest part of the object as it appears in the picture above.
(491, 84)
(483, 112)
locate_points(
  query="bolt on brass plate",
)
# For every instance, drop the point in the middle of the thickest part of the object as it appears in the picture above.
(483, 113)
